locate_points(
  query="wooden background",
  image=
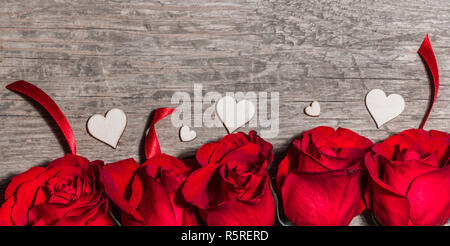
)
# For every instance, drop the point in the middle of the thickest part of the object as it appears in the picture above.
(91, 56)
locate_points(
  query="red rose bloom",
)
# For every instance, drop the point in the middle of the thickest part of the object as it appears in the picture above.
(149, 195)
(409, 180)
(65, 193)
(232, 188)
(319, 179)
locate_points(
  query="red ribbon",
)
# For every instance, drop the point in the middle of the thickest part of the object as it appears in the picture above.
(43, 99)
(426, 52)
(152, 147)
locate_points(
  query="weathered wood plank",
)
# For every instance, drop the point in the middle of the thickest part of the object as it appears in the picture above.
(135, 54)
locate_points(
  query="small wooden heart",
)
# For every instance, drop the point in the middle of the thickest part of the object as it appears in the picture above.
(382, 108)
(313, 110)
(186, 134)
(109, 128)
(234, 115)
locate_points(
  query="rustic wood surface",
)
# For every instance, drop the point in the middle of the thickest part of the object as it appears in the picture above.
(91, 56)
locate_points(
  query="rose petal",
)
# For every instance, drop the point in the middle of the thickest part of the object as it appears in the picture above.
(116, 178)
(155, 207)
(24, 198)
(16, 181)
(331, 150)
(415, 140)
(254, 189)
(189, 217)
(195, 188)
(429, 196)
(289, 163)
(179, 206)
(308, 163)
(5, 212)
(203, 154)
(50, 213)
(388, 206)
(227, 145)
(348, 139)
(168, 170)
(79, 213)
(245, 154)
(266, 147)
(400, 174)
(237, 213)
(120, 174)
(329, 198)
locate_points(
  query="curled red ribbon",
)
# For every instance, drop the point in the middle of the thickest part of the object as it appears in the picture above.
(152, 147)
(426, 52)
(43, 99)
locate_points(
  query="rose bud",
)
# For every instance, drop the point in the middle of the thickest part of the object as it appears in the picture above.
(232, 187)
(319, 179)
(64, 193)
(409, 178)
(149, 195)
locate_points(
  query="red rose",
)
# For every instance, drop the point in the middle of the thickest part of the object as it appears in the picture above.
(409, 180)
(66, 192)
(319, 179)
(232, 188)
(149, 195)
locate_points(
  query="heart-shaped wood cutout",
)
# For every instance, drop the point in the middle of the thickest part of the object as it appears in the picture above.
(234, 114)
(382, 108)
(313, 110)
(186, 134)
(109, 128)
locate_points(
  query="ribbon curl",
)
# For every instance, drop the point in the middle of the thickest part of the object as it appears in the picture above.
(427, 54)
(44, 100)
(152, 147)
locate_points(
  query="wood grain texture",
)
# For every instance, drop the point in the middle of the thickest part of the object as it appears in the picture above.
(91, 56)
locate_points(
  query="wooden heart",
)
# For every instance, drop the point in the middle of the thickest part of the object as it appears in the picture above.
(186, 134)
(313, 109)
(382, 108)
(234, 114)
(109, 128)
